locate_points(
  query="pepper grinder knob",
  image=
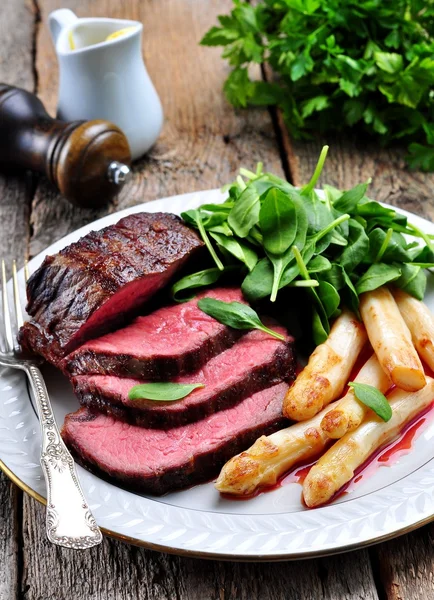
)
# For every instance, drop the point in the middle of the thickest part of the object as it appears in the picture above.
(87, 160)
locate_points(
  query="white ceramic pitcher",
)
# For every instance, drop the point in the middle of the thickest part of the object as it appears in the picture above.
(102, 79)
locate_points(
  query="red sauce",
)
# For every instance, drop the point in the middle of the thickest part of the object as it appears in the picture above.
(387, 454)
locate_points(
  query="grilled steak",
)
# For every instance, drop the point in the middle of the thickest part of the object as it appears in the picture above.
(172, 340)
(91, 286)
(255, 362)
(156, 461)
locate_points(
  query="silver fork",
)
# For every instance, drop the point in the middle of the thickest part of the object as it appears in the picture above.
(69, 520)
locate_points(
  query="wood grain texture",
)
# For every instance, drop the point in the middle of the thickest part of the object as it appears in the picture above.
(118, 572)
(204, 141)
(203, 144)
(406, 565)
(16, 35)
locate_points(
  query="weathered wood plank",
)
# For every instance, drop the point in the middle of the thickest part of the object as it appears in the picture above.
(203, 144)
(16, 35)
(118, 572)
(405, 565)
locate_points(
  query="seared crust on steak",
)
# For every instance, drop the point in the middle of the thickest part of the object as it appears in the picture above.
(97, 283)
(168, 342)
(255, 362)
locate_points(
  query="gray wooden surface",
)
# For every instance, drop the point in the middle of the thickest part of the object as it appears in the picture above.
(203, 143)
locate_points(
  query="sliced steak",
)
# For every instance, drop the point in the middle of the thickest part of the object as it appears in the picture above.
(255, 362)
(156, 461)
(91, 286)
(172, 340)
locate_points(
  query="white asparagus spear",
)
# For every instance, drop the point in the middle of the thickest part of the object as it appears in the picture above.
(328, 369)
(350, 412)
(269, 457)
(420, 322)
(391, 339)
(336, 467)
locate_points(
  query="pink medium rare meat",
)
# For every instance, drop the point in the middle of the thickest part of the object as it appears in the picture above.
(156, 461)
(99, 282)
(254, 362)
(173, 340)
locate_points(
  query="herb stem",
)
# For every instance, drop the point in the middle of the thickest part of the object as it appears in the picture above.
(241, 183)
(319, 167)
(274, 334)
(207, 241)
(384, 245)
(247, 173)
(331, 226)
(423, 235)
(304, 283)
(300, 263)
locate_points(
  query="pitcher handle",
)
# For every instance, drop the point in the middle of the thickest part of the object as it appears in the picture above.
(59, 19)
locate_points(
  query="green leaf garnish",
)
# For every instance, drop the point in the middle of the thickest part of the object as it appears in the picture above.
(373, 398)
(162, 392)
(326, 247)
(236, 315)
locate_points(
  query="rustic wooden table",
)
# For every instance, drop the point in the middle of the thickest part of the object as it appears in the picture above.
(203, 143)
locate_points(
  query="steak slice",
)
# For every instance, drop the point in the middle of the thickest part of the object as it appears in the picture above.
(172, 340)
(156, 461)
(255, 362)
(95, 284)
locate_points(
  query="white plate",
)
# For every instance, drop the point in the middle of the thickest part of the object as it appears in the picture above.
(197, 521)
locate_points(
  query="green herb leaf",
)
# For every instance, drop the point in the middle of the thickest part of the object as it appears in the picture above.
(195, 281)
(357, 248)
(236, 315)
(237, 248)
(380, 78)
(349, 199)
(376, 276)
(162, 392)
(278, 221)
(373, 398)
(245, 212)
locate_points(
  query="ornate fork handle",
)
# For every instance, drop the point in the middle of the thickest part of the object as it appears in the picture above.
(70, 522)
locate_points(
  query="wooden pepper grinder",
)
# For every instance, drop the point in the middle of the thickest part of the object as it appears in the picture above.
(87, 160)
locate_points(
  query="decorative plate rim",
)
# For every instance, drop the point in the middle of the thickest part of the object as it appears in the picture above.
(381, 515)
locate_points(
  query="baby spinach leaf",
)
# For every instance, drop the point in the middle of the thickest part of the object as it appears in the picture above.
(237, 248)
(329, 297)
(236, 315)
(387, 247)
(334, 276)
(318, 214)
(349, 199)
(162, 392)
(375, 209)
(318, 264)
(278, 221)
(358, 246)
(349, 292)
(319, 331)
(245, 212)
(373, 398)
(190, 283)
(412, 281)
(376, 276)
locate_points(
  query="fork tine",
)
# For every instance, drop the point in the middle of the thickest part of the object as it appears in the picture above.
(6, 314)
(18, 311)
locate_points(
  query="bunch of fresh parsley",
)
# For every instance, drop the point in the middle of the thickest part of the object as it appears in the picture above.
(337, 64)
